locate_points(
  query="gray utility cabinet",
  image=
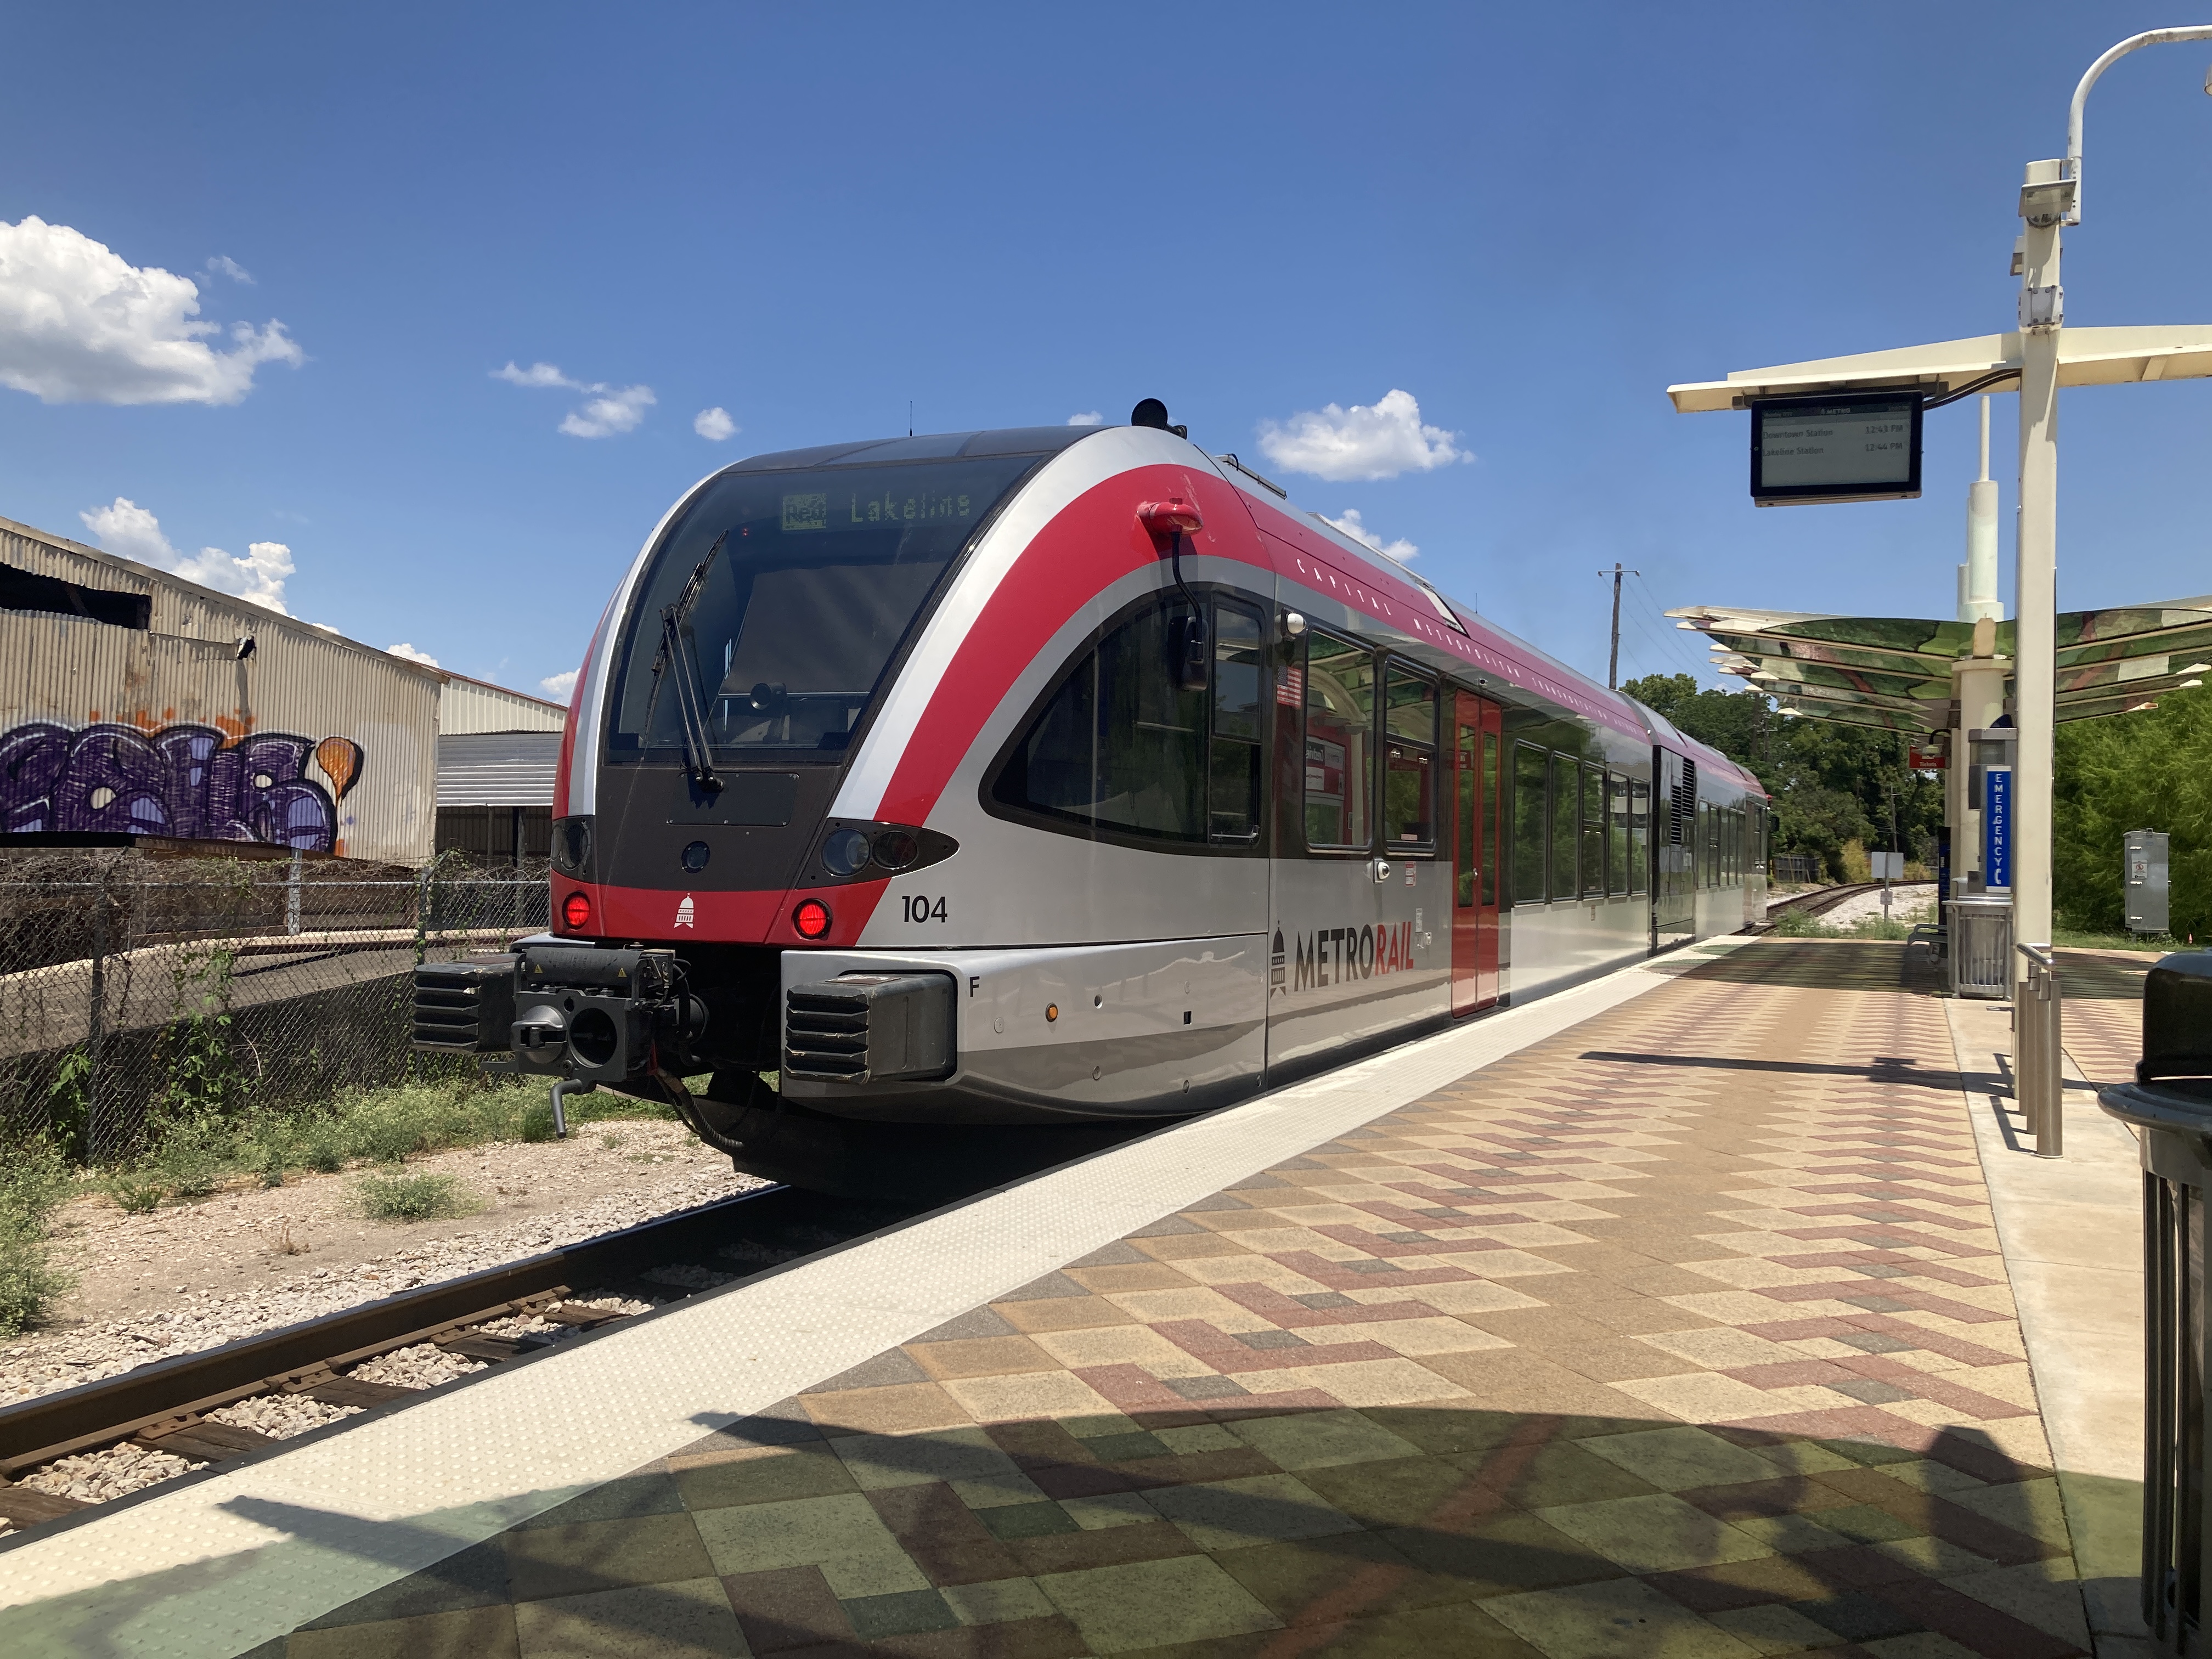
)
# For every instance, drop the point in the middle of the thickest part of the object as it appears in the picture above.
(2143, 881)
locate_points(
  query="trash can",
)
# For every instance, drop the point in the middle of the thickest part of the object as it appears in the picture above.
(1981, 947)
(2170, 1106)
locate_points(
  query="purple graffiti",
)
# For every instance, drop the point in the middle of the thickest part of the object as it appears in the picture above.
(181, 781)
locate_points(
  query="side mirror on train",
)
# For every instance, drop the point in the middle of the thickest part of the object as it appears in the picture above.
(1176, 516)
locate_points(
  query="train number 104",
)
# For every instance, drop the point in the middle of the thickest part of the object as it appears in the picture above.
(920, 907)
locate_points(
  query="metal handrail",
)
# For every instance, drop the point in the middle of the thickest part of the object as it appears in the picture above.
(2039, 1052)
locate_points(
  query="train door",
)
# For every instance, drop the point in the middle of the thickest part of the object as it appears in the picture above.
(1478, 734)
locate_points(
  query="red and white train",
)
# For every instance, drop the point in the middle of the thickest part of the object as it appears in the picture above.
(1063, 776)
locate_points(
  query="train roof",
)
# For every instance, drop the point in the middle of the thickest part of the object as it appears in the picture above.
(1044, 440)
(929, 446)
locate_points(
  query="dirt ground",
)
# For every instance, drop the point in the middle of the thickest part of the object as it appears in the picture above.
(192, 1275)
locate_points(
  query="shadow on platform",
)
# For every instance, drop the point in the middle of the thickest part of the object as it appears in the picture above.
(1212, 1532)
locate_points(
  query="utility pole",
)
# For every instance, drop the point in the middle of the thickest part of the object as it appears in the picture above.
(1613, 661)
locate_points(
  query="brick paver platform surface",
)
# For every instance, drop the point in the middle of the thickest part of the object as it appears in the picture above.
(1681, 1333)
(2102, 1013)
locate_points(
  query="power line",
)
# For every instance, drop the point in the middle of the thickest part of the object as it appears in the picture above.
(1672, 633)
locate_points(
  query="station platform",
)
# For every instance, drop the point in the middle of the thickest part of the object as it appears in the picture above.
(1673, 1314)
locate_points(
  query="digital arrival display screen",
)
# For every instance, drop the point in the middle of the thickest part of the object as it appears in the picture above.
(1837, 448)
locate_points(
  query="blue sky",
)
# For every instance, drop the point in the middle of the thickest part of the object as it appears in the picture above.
(808, 218)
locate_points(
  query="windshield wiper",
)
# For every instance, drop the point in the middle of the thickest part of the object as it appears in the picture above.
(676, 652)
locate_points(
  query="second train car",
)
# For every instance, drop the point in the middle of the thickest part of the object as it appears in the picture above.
(1031, 779)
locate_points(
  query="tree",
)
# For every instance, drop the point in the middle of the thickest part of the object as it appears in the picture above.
(2151, 770)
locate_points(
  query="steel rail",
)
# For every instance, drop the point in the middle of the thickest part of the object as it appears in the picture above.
(1821, 899)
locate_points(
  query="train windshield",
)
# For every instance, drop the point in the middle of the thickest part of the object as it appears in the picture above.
(790, 593)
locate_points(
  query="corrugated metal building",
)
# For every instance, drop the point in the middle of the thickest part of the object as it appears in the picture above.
(497, 753)
(135, 703)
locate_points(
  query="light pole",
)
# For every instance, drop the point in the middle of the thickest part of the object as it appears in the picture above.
(2049, 196)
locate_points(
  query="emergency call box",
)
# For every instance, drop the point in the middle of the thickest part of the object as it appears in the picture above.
(1844, 448)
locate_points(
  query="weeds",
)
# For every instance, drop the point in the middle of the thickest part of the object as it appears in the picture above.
(134, 1190)
(193, 1155)
(322, 1149)
(34, 1182)
(413, 1197)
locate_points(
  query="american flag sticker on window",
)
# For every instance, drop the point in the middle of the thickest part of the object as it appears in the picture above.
(1290, 685)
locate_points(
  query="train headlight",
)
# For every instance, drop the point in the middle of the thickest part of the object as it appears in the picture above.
(897, 848)
(576, 912)
(844, 853)
(812, 919)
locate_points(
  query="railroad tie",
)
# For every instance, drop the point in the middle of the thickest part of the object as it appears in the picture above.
(27, 1506)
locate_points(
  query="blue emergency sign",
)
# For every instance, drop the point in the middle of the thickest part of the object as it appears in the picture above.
(1997, 828)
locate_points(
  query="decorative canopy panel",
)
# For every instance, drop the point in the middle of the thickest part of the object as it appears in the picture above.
(1894, 673)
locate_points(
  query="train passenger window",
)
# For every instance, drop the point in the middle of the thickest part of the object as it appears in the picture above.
(1119, 745)
(1232, 788)
(1616, 834)
(1463, 820)
(1340, 781)
(1593, 832)
(1639, 837)
(1409, 776)
(1490, 818)
(1530, 835)
(1566, 824)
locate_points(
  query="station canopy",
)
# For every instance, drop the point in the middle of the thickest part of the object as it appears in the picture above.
(1894, 673)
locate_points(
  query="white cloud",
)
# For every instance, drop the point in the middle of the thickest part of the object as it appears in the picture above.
(1089, 418)
(403, 649)
(129, 530)
(1380, 441)
(560, 687)
(80, 324)
(1401, 550)
(535, 374)
(715, 424)
(608, 409)
(614, 410)
(223, 265)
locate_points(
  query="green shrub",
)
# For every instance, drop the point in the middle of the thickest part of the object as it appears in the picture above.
(34, 1182)
(413, 1197)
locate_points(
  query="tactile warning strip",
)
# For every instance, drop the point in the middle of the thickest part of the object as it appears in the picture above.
(218, 1565)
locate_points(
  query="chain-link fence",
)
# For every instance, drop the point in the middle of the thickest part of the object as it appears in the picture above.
(136, 991)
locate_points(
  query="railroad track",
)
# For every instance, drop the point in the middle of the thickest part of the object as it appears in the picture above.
(1820, 899)
(165, 1406)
